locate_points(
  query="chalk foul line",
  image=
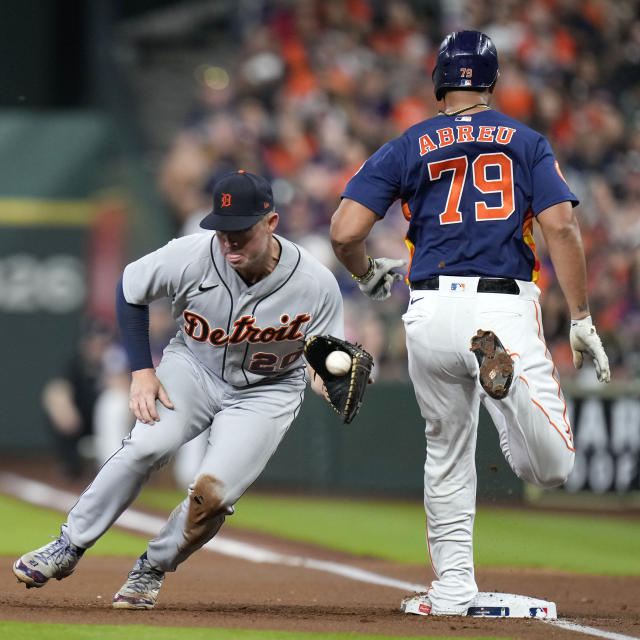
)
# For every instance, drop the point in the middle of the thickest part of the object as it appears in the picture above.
(44, 495)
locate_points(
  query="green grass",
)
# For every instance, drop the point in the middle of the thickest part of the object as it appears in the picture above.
(576, 543)
(26, 527)
(395, 531)
(32, 631)
(392, 530)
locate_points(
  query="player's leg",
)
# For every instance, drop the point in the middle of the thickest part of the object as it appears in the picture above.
(140, 591)
(244, 436)
(532, 422)
(120, 479)
(449, 404)
(188, 459)
(112, 422)
(147, 448)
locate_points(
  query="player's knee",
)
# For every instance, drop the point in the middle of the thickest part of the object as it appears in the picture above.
(559, 478)
(550, 481)
(208, 498)
(555, 472)
(206, 512)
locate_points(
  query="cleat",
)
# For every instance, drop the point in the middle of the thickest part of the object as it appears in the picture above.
(496, 365)
(56, 560)
(140, 591)
(485, 605)
(420, 604)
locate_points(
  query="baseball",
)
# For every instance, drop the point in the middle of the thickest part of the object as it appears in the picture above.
(338, 363)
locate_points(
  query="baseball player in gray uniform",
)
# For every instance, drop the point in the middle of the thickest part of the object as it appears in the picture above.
(244, 299)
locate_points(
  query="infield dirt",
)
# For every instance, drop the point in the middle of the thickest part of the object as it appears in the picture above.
(211, 590)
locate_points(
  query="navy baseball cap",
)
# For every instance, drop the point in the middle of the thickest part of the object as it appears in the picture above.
(240, 199)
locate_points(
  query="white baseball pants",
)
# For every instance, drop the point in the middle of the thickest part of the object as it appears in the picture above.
(532, 423)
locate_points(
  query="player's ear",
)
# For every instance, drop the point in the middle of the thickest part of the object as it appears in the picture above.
(272, 221)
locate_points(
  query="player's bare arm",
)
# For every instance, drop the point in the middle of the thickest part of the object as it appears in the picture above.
(145, 389)
(562, 235)
(350, 226)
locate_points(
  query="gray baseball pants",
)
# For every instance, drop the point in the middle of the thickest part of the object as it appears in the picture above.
(247, 425)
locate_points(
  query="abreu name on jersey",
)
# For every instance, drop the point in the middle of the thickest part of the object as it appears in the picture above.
(470, 187)
(465, 133)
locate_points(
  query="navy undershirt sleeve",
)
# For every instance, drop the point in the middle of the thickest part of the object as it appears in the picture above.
(134, 330)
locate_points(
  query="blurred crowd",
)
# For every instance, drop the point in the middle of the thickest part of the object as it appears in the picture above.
(313, 88)
(308, 90)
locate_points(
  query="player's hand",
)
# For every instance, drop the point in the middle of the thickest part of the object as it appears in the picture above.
(583, 338)
(378, 285)
(145, 389)
(317, 385)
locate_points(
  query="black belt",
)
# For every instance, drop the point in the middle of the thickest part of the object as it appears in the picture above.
(485, 285)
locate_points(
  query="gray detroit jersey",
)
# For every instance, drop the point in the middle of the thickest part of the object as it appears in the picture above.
(242, 333)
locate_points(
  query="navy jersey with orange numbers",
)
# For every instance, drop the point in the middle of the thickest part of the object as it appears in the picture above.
(470, 186)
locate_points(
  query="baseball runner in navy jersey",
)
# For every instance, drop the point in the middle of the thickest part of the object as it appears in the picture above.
(243, 299)
(471, 180)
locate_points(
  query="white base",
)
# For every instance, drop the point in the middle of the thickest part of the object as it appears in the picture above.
(488, 605)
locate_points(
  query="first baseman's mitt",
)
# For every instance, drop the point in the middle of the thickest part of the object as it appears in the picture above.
(345, 392)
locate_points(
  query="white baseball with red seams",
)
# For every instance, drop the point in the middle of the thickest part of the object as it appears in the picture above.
(338, 363)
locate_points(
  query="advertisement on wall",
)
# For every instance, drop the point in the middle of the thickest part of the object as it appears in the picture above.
(607, 443)
(53, 167)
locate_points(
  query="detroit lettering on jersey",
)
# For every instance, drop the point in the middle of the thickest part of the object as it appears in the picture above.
(240, 332)
(244, 329)
(470, 187)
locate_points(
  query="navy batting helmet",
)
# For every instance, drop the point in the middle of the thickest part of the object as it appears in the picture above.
(466, 60)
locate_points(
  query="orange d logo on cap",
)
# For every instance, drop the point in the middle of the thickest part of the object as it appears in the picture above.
(240, 199)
